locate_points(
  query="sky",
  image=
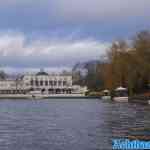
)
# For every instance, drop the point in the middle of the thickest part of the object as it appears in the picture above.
(56, 34)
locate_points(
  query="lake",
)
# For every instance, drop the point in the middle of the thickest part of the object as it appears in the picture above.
(71, 124)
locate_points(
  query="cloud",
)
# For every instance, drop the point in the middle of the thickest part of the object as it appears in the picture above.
(65, 27)
(17, 52)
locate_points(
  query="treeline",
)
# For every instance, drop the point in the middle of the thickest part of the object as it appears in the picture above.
(89, 74)
(127, 65)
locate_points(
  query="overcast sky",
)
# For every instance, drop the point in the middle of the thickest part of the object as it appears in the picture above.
(59, 33)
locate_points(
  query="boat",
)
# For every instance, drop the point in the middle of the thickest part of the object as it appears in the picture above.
(106, 95)
(36, 94)
(121, 95)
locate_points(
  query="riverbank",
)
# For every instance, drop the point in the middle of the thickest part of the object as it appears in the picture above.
(140, 99)
(134, 99)
(44, 96)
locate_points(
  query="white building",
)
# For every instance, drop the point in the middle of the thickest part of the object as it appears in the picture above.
(11, 86)
(43, 82)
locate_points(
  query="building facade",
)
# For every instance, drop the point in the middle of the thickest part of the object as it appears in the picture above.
(43, 82)
(11, 86)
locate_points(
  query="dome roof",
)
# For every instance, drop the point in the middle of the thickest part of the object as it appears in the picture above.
(42, 73)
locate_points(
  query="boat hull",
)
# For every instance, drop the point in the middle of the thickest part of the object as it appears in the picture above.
(106, 97)
(121, 99)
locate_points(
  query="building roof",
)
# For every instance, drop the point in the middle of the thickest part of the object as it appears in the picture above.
(41, 73)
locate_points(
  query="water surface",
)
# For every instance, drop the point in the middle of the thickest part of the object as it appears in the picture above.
(72, 124)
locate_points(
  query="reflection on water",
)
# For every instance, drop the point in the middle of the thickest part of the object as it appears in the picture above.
(82, 124)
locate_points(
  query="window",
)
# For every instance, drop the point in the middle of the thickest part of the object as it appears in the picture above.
(46, 83)
(64, 83)
(41, 83)
(59, 83)
(51, 83)
(36, 83)
(31, 82)
(55, 83)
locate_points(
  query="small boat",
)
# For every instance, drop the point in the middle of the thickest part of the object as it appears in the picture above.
(106, 95)
(121, 95)
(36, 94)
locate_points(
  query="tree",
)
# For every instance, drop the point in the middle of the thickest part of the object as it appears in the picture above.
(3, 75)
(116, 68)
(141, 44)
(129, 66)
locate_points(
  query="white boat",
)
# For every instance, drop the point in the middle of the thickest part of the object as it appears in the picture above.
(36, 94)
(121, 95)
(106, 95)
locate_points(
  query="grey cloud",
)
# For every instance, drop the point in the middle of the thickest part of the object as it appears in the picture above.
(15, 52)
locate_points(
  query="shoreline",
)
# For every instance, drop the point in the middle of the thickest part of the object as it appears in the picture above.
(135, 99)
(140, 99)
(58, 96)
